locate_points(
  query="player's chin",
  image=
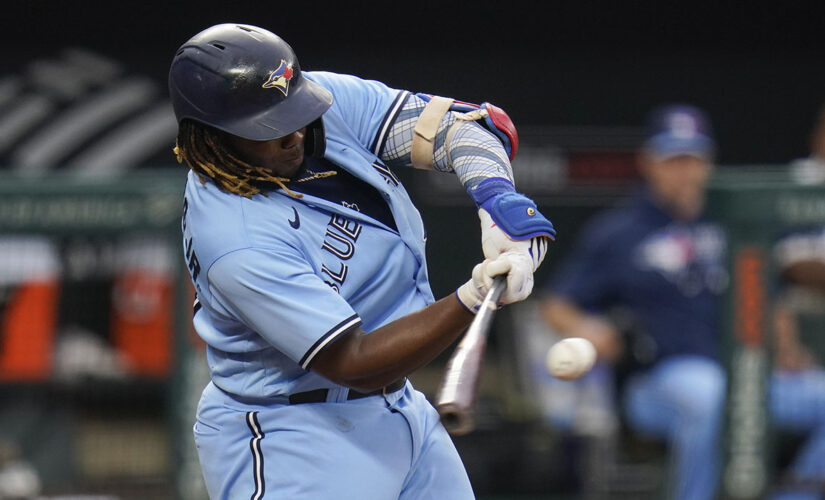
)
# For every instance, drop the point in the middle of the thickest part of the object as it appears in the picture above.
(287, 167)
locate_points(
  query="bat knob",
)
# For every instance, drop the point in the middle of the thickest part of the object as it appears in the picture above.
(456, 422)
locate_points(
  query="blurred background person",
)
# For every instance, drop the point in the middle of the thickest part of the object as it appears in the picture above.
(660, 260)
(801, 253)
(800, 260)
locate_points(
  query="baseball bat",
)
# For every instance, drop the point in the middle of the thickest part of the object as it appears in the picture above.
(456, 395)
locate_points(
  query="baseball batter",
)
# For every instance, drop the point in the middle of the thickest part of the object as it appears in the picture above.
(308, 260)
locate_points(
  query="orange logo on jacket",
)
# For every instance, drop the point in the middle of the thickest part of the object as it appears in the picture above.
(279, 79)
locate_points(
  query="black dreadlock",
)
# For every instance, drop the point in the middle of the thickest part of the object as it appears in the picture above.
(203, 149)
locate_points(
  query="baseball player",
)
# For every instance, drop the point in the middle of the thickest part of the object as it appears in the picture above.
(660, 258)
(308, 261)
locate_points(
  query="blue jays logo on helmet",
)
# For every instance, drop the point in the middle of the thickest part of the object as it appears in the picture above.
(279, 79)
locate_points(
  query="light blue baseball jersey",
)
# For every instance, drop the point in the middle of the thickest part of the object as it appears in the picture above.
(279, 278)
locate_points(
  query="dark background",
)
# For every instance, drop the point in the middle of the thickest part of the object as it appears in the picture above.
(589, 71)
(757, 67)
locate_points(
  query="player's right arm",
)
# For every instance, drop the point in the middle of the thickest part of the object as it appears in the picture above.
(277, 295)
(367, 362)
(371, 361)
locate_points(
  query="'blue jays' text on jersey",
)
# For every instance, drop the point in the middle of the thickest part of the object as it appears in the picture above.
(668, 274)
(279, 278)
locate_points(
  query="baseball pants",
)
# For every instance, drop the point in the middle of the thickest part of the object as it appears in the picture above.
(375, 448)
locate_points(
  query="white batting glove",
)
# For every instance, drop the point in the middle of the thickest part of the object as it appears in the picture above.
(495, 242)
(519, 270)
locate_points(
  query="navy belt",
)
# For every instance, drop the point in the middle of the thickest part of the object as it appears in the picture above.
(320, 395)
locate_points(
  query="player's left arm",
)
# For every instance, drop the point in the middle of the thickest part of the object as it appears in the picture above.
(436, 133)
(477, 144)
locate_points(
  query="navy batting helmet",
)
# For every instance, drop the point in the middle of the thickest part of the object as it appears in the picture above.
(246, 81)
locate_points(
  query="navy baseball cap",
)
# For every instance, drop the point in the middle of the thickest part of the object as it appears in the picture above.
(679, 129)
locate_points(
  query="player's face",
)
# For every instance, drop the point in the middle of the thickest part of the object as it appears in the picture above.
(283, 156)
(679, 182)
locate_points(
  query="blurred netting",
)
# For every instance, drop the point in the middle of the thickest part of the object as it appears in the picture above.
(98, 365)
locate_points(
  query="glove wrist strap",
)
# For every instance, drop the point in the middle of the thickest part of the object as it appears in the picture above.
(467, 298)
(485, 191)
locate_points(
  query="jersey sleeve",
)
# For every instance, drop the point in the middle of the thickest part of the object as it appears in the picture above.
(368, 107)
(277, 295)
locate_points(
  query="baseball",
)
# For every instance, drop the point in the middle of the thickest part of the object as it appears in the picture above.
(571, 358)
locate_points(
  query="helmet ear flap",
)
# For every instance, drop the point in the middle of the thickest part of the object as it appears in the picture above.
(315, 141)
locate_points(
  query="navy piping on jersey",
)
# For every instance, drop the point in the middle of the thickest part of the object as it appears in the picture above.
(378, 144)
(257, 454)
(335, 332)
(385, 172)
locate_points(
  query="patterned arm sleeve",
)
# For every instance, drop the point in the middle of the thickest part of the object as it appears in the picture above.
(473, 153)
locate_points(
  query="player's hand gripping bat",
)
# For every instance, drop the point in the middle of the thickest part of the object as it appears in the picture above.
(457, 393)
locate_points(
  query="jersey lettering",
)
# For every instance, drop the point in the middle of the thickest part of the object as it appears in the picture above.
(350, 228)
(192, 260)
(183, 217)
(340, 276)
(339, 240)
(338, 245)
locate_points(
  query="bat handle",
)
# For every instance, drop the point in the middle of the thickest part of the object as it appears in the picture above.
(453, 405)
(494, 293)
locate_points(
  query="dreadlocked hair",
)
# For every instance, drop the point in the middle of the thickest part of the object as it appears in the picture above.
(203, 150)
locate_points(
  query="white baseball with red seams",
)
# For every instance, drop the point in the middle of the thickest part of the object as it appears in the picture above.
(571, 358)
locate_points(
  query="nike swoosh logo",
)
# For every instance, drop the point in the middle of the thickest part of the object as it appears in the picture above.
(297, 222)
